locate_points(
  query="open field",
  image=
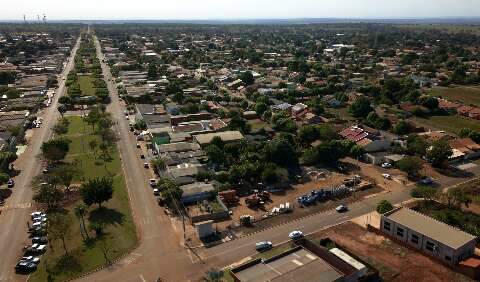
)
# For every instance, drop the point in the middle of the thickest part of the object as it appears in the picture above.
(86, 85)
(451, 124)
(119, 234)
(394, 262)
(465, 94)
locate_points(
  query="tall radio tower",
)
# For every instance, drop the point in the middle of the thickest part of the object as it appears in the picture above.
(44, 19)
(24, 19)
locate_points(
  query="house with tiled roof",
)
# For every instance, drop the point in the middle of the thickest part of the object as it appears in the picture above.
(369, 140)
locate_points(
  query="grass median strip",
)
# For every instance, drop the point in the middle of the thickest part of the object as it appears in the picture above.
(119, 233)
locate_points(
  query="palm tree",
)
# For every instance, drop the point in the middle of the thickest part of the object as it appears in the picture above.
(81, 211)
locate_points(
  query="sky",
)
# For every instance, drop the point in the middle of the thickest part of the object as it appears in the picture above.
(235, 9)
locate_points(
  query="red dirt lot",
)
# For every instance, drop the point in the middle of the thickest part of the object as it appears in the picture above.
(394, 262)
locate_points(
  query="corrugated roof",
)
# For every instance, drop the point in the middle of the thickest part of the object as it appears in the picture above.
(431, 228)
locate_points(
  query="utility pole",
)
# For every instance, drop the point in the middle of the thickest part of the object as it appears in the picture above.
(44, 19)
(24, 19)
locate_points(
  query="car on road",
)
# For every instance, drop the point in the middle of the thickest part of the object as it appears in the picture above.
(341, 208)
(295, 235)
(386, 165)
(145, 165)
(127, 117)
(138, 145)
(263, 246)
(142, 156)
(25, 267)
(156, 192)
(387, 176)
(10, 183)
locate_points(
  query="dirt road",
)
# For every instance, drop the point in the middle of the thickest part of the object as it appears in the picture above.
(160, 252)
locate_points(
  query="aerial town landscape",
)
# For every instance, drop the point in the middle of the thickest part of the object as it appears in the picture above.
(269, 150)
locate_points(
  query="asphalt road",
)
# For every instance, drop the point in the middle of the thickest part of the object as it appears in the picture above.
(160, 252)
(238, 249)
(14, 217)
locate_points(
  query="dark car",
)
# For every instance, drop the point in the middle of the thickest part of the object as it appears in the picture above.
(10, 183)
(25, 267)
(40, 240)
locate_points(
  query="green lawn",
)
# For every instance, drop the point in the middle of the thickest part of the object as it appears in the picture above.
(275, 250)
(466, 94)
(451, 124)
(120, 235)
(86, 85)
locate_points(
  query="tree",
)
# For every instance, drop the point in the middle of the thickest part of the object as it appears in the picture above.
(308, 133)
(384, 206)
(56, 149)
(247, 78)
(65, 173)
(281, 152)
(97, 190)
(260, 108)
(410, 165)
(159, 164)
(439, 152)
(272, 174)
(59, 227)
(361, 107)
(92, 144)
(170, 191)
(62, 109)
(457, 197)
(423, 191)
(401, 128)
(81, 210)
(48, 194)
(417, 145)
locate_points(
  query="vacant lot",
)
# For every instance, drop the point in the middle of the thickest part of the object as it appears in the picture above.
(465, 94)
(394, 262)
(120, 234)
(86, 85)
(450, 124)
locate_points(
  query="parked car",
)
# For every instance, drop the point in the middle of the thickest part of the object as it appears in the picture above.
(263, 246)
(40, 240)
(426, 181)
(145, 165)
(387, 176)
(10, 183)
(25, 267)
(152, 182)
(142, 156)
(387, 165)
(138, 145)
(35, 260)
(341, 208)
(295, 235)
(156, 192)
(37, 214)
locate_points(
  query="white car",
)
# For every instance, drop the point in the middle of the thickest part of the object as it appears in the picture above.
(35, 260)
(37, 214)
(387, 176)
(156, 192)
(127, 118)
(263, 246)
(386, 165)
(294, 235)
